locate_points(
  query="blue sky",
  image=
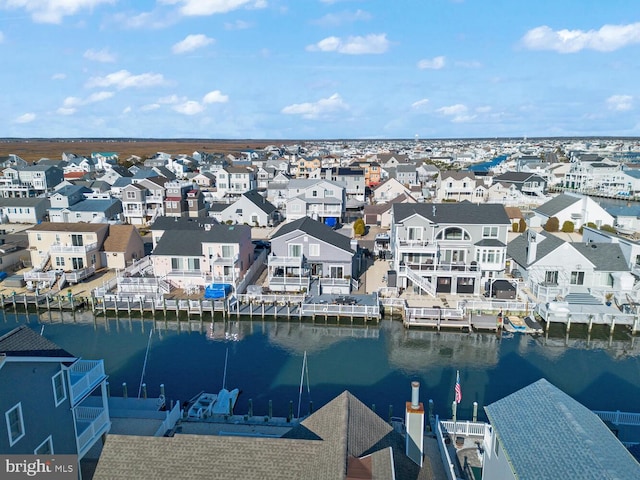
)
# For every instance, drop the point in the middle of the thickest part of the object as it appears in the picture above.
(319, 69)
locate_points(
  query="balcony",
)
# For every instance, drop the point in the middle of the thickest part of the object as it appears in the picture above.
(84, 376)
(77, 249)
(285, 262)
(91, 424)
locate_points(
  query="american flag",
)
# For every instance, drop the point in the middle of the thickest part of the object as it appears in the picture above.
(458, 388)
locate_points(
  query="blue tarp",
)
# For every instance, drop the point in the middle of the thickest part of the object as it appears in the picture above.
(217, 290)
(331, 221)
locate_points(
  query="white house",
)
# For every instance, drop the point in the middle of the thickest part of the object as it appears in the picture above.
(574, 207)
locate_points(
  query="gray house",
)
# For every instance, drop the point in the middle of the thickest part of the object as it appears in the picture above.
(306, 249)
(251, 209)
(23, 210)
(68, 415)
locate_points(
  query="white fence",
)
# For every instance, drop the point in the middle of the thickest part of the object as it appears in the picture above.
(172, 418)
(619, 418)
(444, 453)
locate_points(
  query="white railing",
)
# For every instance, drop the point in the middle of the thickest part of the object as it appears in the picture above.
(421, 282)
(256, 267)
(340, 310)
(84, 376)
(469, 429)
(335, 282)
(444, 452)
(271, 299)
(283, 262)
(393, 302)
(496, 305)
(78, 275)
(172, 418)
(97, 422)
(619, 418)
(36, 276)
(58, 248)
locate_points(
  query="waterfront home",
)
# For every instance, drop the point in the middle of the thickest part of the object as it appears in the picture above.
(573, 207)
(23, 209)
(164, 223)
(319, 199)
(343, 440)
(388, 190)
(529, 184)
(252, 209)
(70, 247)
(541, 432)
(53, 402)
(30, 180)
(590, 172)
(122, 247)
(448, 247)
(458, 186)
(306, 248)
(380, 214)
(552, 267)
(630, 247)
(198, 257)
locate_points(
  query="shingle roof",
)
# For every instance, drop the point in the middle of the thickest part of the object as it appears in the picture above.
(260, 202)
(179, 243)
(557, 204)
(119, 238)
(93, 205)
(319, 448)
(318, 230)
(24, 342)
(67, 227)
(21, 201)
(458, 213)
(183, 223)
(547, 434)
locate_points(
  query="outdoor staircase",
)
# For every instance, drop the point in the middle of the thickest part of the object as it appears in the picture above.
(424, 284)
(45, 262)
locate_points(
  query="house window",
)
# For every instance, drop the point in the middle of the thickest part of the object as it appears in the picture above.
(314, 193)
(414, 233)
(551, 276)
(59, 388)
(15, 424)
(227, 251)
(336, 271)
(637, 260)
(577, 278)
(490, 232)
(76, 240)
(314, 250)
(497, 446)
(295, 250)
(59, 261)
(131, 195)
(39, 239)
(193, 264)
(45, 448)
(176, 264)
(295, 208)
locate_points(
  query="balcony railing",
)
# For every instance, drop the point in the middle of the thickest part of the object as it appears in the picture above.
(283, 262)
(80, 249)
(77, 276)
(91, 423)
(84, 376)
(443, 267)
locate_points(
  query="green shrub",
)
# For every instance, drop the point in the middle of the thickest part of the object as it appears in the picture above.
(568, 227)
(608, 228)
(522, 225)
(359, 228)
(515, 227)
(552, 225)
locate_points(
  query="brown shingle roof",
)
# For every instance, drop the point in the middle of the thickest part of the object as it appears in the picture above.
(118, 238)
(68, 227)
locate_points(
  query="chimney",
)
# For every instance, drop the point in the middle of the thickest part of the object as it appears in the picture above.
(532, 246)
(414, 423)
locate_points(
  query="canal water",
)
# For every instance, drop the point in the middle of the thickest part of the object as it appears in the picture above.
(376, 363)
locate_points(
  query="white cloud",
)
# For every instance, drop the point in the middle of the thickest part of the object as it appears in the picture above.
(339, 19)
(52, 11)
(66, 111)
(123, 79)
(211, 7)
(171, 99)
(370, 44)
(190, 107)
(620, 103)
(607, 39)
(237, 25)
(126, 110)
(104, 55)
(435, 63)
(420, 104)
(93, 98)
(25, 118)
(150, 107)
(215, 96)
(456, 109)
(192, 42)
(58, 76)
(322, 108)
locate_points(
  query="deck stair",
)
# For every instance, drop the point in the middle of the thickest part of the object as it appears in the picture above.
(421, 282)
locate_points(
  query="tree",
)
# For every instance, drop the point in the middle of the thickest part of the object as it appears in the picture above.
(552, 225)
(359, 228)
(568, 227)
(522, 225)
(608, 228)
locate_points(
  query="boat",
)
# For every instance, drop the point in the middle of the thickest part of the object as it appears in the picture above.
(225, 402)
(202, 406)
(516, 323)
(208, 404)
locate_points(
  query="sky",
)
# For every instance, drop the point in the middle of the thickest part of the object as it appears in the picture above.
(319, 69)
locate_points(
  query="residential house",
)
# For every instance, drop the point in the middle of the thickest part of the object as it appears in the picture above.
(319, 199)
(344, 439)
(67, 246)
(372, 172)
(528, 184)
(134, 206)
(164, 223)
(104, 160)
(13, 251)
(122, 247)
(205, 180)
(234, 181)
(78, 164)
(573, 207)
(380, 213)
(23, 209)
(306, 248)
(175, 202)
(554, 436)
(552, 267)
(195, 203)
(197, 258)
(407, 174)
(70, 204)
(53, 402)
(590, 173)
(12, 160)
(30, 180)
(114, 173)
(307, 165)
(250, 209)
(458, 186)
(278, 190)
(630, 246)
(448, 247)
(351, 178)
(388, 190)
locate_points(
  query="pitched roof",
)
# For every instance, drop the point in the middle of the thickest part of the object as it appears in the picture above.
(178, 243)
(119, 238)
(67, 227)
(606, 257)
(316, 229)
(454, 213)
(557, 204)
(259, 201)
(24, 342)
(545, 244)
(183, 223)
(94, 205)
(554, 436)
(319, 448)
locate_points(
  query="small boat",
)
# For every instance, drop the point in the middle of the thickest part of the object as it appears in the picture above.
(203, 406)
(517, 324)
(225, 402)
